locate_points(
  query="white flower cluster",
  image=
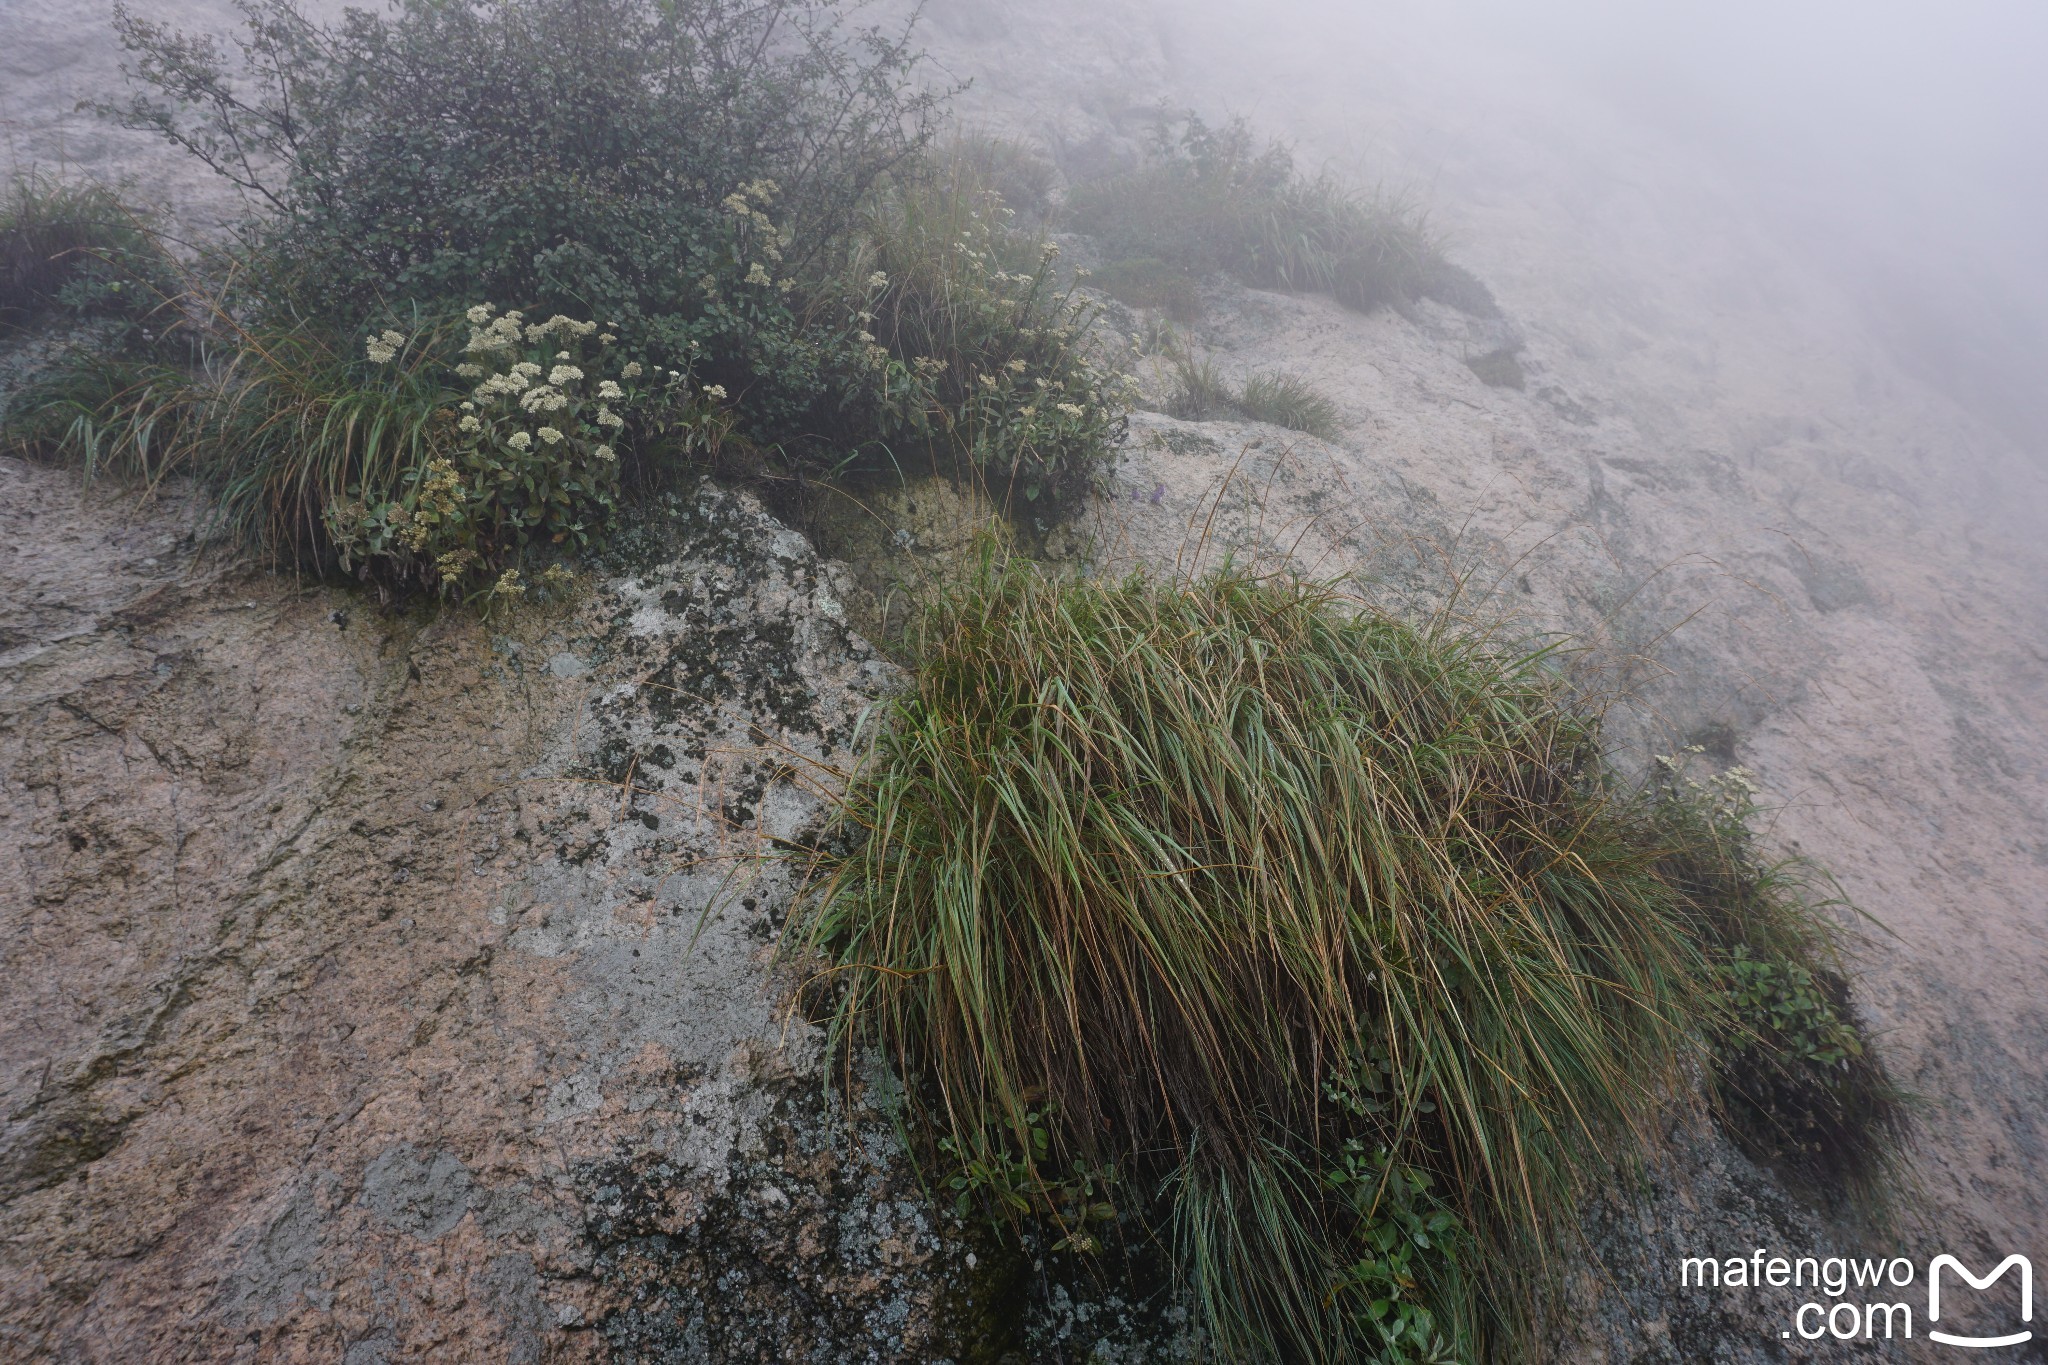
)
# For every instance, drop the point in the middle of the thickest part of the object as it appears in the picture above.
(549, 393)
(382, 348)
(558, 325)
(500, 334)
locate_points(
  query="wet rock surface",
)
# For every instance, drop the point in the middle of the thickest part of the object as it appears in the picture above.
(384, 986)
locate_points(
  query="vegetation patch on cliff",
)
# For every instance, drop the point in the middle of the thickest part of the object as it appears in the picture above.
(727, 232)
(1212, 199)
(77, 249)
(1319, 948)
(1201, 393)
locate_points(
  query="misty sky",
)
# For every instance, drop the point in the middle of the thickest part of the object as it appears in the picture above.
(1904, 141)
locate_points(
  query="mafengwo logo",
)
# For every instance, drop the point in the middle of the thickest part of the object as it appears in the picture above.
(2026, 1269)
(1879, 1310)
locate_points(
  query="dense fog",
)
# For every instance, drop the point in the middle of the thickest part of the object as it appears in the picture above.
(1900, 143)
(1906, 141)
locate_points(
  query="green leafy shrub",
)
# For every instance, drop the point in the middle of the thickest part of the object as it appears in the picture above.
(744, 191)
(1209, 199)
(76, 247)
(1500, 368)
(576, 154)
(1163, 854)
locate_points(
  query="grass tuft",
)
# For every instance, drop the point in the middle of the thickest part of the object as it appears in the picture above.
(1287, 400)
(282, 423)
(75, 246)
(1202, 394)
(1025, 180)
(1276, 903)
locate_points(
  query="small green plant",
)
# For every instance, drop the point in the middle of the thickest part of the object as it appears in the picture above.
(1798, 1083)
(76, 247)
(1210, 199)
(1287, 400)
(1788, 1003)
(1006, 1188)
(1409, 1245)
(1200, 393)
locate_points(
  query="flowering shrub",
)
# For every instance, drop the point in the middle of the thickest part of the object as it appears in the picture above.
(531, 454)
(612, 158)
(723, 178)
(968, 347)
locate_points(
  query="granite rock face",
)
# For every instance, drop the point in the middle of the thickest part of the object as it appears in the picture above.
(384, 987)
